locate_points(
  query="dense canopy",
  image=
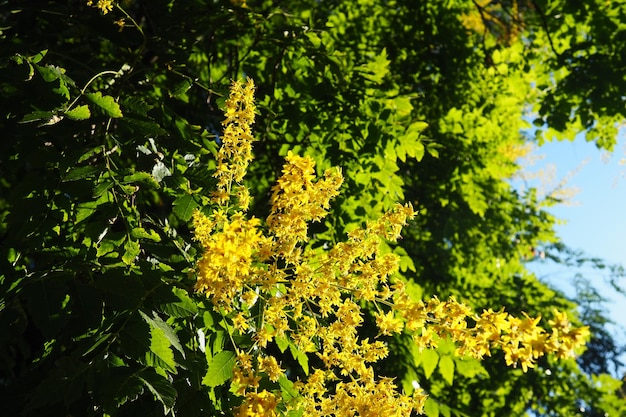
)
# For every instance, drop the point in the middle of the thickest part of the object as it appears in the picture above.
(118, 191)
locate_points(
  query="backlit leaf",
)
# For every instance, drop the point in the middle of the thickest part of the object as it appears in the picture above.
(220, 368)
(106, 103)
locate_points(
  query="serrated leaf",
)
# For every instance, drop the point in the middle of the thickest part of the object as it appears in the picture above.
(429, 361)
(160, 354)
(282, 342)
(131, 251)
(141, 233)
(82, 172)
(79, 113)
(220, 369)
(446, 368)
(170, 334)
(184, 207)
(181, 88)
(287, 389)
(186, 307)
(161, 388)
(300, 356)
(141, 177)
(106, 103)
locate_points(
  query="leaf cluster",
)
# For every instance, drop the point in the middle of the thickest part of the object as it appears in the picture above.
(110, 128)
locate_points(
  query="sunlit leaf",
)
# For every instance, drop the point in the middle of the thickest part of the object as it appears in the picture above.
(220, 369)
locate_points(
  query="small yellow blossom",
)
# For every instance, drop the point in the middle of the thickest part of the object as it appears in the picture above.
(104, 5)
(388, 324)
(261, 404)
(270, 366)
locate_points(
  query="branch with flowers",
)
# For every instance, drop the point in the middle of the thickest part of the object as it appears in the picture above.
(271, 287)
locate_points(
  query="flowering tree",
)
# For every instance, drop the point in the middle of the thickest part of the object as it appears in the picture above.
(274, 286)
(150, 265)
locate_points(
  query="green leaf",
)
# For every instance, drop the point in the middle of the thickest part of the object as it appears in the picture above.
(431, 408)
(446, 368)
(161, 388)
(160, 354)
(469, 367)
(282, 342)
(156, 321)
(141, 233)
(102, 188)
(377, 69)
(117, 387)
(100, 339)
(181, 88)
(51, 73)
(106, 103)
(220, 368)
(35, 59)
(38, 115)
(141, 177)
(314, 39)
(82, 172)
(79, 113)
(184, 207)
(131, 251)
(300, 356)
(429, 361)
(287, 389)
(406, 261)
(186, 307)
(85, 210)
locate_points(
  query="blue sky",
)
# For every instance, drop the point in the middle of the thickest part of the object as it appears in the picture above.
(595, 222)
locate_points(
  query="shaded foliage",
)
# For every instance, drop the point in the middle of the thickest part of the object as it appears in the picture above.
(110, 124)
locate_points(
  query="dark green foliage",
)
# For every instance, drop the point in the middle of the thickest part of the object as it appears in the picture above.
(108, 135)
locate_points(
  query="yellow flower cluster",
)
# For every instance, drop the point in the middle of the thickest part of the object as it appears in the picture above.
(262, 404)
(521, 339)
(235, 153)
(309, 300)
(367, 397)
(230, 247)
(296, 200)
(104, 5)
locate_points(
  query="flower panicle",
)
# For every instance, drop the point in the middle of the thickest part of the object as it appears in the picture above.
(235, 153)
(271, 287)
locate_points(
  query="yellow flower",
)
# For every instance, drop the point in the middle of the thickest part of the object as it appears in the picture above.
(388, 324)
(261, 404)
(104, 5)
(230, 247)
(296, 199)
(270, 366)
